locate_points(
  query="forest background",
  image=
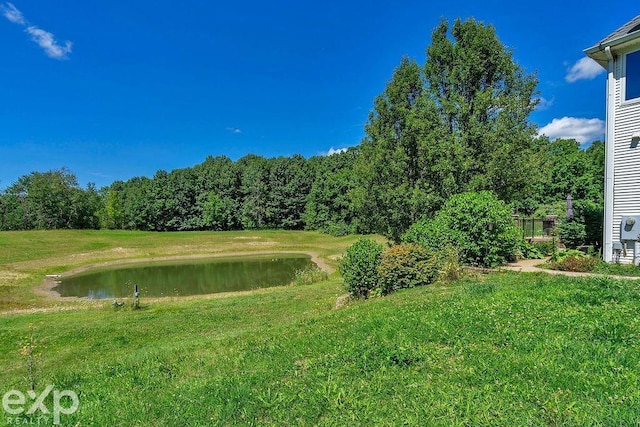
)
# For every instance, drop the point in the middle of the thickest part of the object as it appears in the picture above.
(459, 122)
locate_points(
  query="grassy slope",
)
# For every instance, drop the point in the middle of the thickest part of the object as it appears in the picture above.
(505, 349)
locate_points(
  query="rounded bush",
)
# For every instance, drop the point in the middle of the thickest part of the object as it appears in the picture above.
(359, 267)
(478, 224)
(406, 266)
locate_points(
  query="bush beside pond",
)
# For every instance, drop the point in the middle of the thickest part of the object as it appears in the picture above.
(368, 270)
(406, 266)
(359, 267)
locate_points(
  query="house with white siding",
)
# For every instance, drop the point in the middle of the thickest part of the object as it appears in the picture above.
(619, 54)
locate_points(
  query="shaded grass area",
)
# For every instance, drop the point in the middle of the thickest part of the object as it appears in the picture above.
(503, 349)
(26, 257)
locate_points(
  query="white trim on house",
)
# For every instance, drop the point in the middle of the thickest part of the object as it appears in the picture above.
(626, 162)
(623, 79)
(622, 148)
(609, 162)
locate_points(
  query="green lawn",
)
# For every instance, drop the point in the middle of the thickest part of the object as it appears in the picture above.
(501, 349)
(618, 269)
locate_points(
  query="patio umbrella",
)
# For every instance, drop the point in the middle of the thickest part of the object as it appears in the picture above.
(569, 206)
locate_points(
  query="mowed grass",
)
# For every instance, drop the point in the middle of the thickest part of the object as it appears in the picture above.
(618, 269)
(501, 349)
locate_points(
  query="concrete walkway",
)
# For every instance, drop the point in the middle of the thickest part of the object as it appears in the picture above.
(529, 266)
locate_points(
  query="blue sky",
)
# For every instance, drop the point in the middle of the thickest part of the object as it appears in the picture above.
(113, 90)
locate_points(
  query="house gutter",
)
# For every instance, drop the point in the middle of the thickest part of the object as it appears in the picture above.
(600, 54)
(609, 159)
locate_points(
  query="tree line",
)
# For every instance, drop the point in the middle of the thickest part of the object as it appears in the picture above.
(459, 122)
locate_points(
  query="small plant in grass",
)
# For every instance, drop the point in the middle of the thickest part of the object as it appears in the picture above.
(309, 275)
(29, 349)
(406, 266)
(359, 267)
(450, 268)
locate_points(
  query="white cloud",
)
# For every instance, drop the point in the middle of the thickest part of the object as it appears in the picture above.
(543, 103)
(42, 38)
(234, 130)
(10, 12)
(582, 130)
(48, 43)
(585, 69)
(333, 151)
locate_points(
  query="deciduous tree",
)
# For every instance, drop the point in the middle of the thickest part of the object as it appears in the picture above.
(458, 124)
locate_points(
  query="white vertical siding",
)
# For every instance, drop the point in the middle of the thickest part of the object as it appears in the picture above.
(626, 181)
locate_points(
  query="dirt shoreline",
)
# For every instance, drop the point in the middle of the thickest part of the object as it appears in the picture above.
(51, 281)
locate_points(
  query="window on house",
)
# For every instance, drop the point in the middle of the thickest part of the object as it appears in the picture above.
(632, 79)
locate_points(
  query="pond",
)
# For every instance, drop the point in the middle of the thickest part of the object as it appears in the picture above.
(186, 277)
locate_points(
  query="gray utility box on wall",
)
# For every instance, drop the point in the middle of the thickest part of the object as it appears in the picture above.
(630, 228)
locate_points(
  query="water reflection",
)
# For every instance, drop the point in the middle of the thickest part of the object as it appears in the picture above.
(181, 278)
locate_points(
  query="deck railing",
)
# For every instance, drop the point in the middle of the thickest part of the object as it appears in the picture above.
(536, 227)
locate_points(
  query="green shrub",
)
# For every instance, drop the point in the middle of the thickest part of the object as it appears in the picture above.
(478, 224)
(590, 214)
(573, 260)
(359, 267)
(572, 233)
(560, 255)
(406, 266)
(528, 251)
(434, 234)
(584, 264)
(555, 208)
(546, 247)
(338, 229)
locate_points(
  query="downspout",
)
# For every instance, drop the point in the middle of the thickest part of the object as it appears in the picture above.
(609, 160)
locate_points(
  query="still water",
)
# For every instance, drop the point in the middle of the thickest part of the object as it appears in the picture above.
(190, 277)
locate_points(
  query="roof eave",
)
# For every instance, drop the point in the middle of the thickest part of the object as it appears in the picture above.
(597, 52)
